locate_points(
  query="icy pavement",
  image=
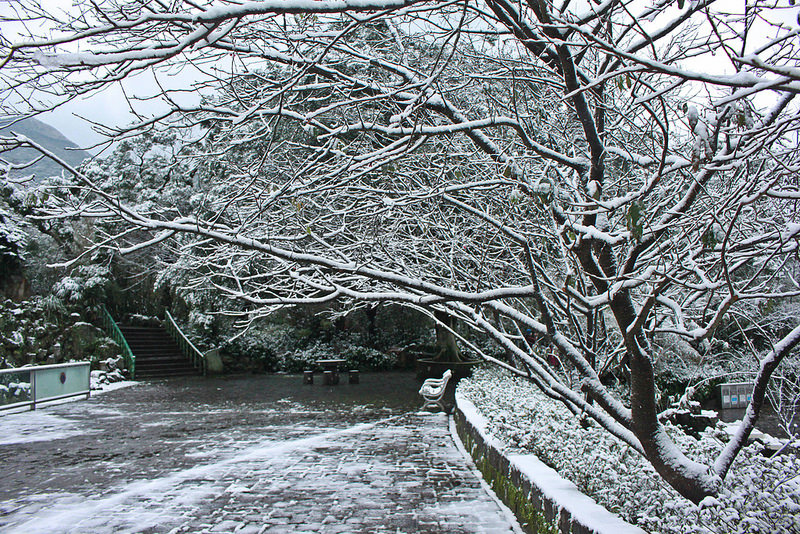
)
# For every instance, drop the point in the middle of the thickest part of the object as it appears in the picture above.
(247, 455)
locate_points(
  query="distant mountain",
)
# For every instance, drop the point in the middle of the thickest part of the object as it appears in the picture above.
(48, 137)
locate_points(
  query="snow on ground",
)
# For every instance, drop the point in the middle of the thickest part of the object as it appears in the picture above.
(774, 443)
(182, 499)
(32, 426)
(506, 510)
(311, 465)
(105, 388)
(123, 509)
(24, 425)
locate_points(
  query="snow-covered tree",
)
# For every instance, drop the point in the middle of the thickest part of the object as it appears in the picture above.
(12, 243)
(592, 173)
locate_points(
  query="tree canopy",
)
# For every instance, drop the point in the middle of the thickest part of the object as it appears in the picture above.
(592, 173)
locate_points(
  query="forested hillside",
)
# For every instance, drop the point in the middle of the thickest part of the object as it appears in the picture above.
(49, 138)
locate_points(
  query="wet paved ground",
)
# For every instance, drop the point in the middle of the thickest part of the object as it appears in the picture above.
(245, 455)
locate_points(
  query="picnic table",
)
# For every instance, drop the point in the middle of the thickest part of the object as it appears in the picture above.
(331, 365)
(330, 370)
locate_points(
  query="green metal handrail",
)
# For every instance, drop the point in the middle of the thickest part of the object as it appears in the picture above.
(116, 334)
(187, 347)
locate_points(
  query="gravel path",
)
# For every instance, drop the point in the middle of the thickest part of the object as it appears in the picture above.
(249, 455)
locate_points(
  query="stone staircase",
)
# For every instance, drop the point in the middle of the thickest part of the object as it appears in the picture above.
(157, 354)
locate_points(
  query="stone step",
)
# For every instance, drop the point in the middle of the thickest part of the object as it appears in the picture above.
(172, 373)
(162, 362)
(157, 354)
(151, 343)
(178, 366)
(165, 366)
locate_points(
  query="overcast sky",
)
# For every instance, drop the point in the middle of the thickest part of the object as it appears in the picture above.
(109, 106)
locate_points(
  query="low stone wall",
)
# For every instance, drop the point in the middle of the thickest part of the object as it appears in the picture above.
(543, 502)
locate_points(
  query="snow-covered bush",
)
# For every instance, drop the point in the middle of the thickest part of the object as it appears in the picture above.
(368, 359)
(356, 357)
(48, 330)
(784, 395)
(87, 284)
(69, 289)
(283, 348)
(760, 494)
(12, 238)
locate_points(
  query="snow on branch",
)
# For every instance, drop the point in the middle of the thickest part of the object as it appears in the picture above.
(569, 183)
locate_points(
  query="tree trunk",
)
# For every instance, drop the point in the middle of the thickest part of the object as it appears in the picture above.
(372, 329)
(691, 479)
(446, 345)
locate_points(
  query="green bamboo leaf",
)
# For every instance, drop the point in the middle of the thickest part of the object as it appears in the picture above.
(635, 219)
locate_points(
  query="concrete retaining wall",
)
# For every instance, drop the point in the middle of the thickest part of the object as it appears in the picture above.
(543, 502)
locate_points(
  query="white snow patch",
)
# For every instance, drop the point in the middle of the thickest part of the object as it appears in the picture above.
(732, 428)
(170, 492)
(33, 426)
(105, 388)
(236, 488)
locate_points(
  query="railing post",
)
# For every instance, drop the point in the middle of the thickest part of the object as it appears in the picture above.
(33, 390)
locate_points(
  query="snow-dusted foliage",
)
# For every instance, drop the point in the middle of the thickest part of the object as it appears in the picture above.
(12, 238)
(565, 174)
(87, 284)
(285, 348)
(784, 394)
(46, 330)
(98, 379)
(760, 496)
